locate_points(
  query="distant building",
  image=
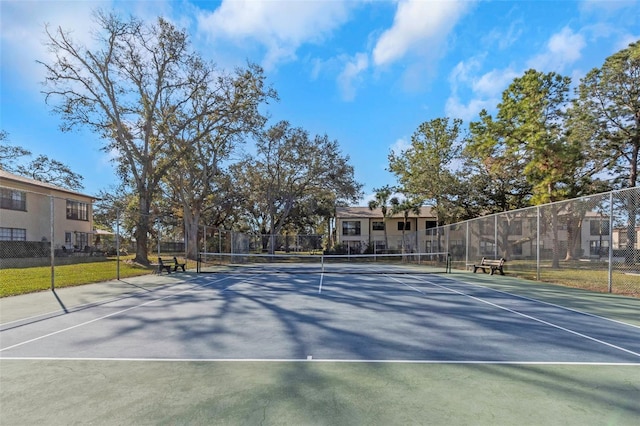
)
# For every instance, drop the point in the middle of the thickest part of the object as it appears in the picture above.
(25, 213)
(361, 229)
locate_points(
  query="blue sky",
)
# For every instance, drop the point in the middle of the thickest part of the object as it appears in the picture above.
(366, 73)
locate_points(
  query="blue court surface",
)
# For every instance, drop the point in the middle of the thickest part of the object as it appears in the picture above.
(399, 317)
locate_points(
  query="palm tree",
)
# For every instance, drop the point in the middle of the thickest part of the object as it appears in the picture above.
(380, 201)
(405, 207)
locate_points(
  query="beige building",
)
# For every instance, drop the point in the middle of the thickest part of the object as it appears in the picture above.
(31, 210)
(362, 229)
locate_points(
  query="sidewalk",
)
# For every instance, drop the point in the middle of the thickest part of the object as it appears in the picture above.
(25, 306)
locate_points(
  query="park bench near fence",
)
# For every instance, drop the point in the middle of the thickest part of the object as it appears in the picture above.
(163, 265)
(492, 265)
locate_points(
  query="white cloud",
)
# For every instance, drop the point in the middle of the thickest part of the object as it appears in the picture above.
(469, 111)
(23, 36)
(494, 82)
(400, 146)
(599, 6)
(351, 75)
(625, 40)
(417, 24)
(505, 38)
(462, 73)
(281, 27)
(482, 90)
(563, 49)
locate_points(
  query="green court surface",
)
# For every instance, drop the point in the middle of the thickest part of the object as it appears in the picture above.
(58, 368)
(316, 393)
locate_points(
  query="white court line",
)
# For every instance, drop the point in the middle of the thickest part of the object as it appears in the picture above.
(75, 308)
(108, 316)
(329, 360)
(566, 308)
(530, 317)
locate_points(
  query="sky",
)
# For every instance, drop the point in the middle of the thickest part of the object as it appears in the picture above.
(366, 73)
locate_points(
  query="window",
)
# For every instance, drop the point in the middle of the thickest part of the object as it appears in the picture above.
(595, 249)
(516, 249)
(67, 238)
(13, 234)
(13, 200)
(379, 246)
(487, 248)
(82, 240)
(516, 227)
(77, 210)
(404, 226)
(430, 224)
(351, 227)
(377, 226)
(599, 227)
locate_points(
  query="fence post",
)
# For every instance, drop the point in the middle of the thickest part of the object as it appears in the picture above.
(51, 238)
(538, 243)
(466, 246)
(204, 238)
(610, 272)
(118, 244)
(495, 236)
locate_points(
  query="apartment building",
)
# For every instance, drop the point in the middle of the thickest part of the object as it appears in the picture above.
(31, 210)
(361, 229)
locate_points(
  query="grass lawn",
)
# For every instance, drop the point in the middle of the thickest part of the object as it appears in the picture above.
(28, 280)
(592, 280)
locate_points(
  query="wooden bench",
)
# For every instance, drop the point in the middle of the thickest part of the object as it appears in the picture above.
(163, 266)
(177, 264)
(492, 265)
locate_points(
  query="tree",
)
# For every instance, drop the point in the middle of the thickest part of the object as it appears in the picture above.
(10, 154)
(531, 123)
(51, 171)
(424, 170)
(495, 172)
(607, 112)
(226, 110)
(290, 168)
(381, 201)
(129, 90)
(405, 207)
(42, 168)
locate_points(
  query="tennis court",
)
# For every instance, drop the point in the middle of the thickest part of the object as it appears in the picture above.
(285, 346)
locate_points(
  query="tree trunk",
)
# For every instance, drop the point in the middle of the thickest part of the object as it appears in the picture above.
(142, 232)
(191, 222)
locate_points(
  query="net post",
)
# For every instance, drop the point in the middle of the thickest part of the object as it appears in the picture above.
(448, 267)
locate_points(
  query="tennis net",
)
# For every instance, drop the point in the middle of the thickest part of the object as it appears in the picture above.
(408, 263)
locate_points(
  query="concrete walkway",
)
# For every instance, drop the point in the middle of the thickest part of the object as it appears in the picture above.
(61, 300)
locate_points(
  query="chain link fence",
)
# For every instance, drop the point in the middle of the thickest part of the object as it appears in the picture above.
(215, 240)
(590, 242)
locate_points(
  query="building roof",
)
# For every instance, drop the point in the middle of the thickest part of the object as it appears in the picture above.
(4, 175)
(367, 213)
